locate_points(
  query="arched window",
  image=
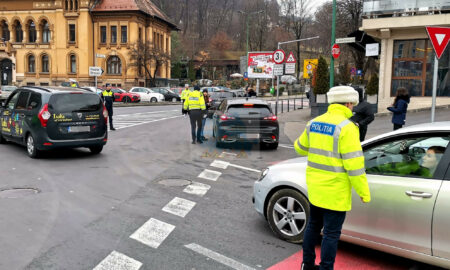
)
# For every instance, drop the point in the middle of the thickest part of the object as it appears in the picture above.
(31, 32)
(66, 4)
(5, 31)
(75, 2)
(114, 65)
(31, 64)
(45, 64)
(19, 32)
(46, 36)
(73, 63)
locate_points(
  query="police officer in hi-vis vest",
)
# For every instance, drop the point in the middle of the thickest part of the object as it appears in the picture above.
(108, 98)
(194, 104)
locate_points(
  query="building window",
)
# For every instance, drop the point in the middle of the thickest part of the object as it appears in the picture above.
(72, 36)
(71, 5)
(45, 64)
(73, 63)
(140, 34)
(5, 31)
(114, 65)
(46, 36)
(123, 34)
(31, 64)
(32, 32)
(113, 34)
(19, 32)
(103, 34)
(167, 45)
(413, 66)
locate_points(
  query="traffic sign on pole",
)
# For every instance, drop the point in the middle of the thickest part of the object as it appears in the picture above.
(291, 59)
(335, 51)
(279, 56)
(439, 37)
(95, 71)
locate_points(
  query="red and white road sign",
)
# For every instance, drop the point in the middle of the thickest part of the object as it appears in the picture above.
(291, 59)
(279, 56)
(439, 37)
(335, 51)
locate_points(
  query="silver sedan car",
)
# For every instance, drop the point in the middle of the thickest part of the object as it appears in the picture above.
(409, 180)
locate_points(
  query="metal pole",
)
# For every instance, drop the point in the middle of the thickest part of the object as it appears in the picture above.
(288, 104)
(435, 77)
(95, 76)
(333, 30)
(247, 32)
(278, 89)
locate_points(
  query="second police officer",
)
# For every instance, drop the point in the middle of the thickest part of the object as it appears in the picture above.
(194, 104)
(108, 98)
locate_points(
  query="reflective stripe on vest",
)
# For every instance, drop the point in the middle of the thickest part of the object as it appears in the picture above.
(336, 169)
(328, 129)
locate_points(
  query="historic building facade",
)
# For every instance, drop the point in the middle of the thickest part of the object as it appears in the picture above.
(48, 42)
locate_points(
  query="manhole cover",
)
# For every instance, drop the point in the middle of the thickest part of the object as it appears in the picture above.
(13, 193)
(175, 182)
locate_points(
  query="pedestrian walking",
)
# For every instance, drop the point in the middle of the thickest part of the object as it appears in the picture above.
(251, 93)
(335, 165)
(205, 115)
(184, 95)
(194, 104)
(362, 114)
(399, 107)
(108, 98)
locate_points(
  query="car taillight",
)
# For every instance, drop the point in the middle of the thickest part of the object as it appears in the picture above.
(273, 118)
(105, 114)
(44, 115)
(225, 117)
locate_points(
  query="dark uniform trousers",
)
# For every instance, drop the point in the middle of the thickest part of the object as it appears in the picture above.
(196, 122)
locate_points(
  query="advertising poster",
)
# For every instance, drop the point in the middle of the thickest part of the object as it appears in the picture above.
(260, 65)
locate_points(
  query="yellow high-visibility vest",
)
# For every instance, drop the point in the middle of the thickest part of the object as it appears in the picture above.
(185, 93)
(107, 93)
(194, 101)
(335, 160)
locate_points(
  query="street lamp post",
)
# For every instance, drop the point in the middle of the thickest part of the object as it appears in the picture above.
(248, 16)
(333, 30)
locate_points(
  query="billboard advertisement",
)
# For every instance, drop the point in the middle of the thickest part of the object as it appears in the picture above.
(260, 65)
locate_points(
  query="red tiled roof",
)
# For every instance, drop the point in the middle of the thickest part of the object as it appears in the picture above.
(145, 6)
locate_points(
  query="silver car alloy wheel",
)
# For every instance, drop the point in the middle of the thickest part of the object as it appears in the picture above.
(289, 216)
(30, 145)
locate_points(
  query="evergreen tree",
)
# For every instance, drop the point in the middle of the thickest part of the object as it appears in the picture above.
(176, 70)
(323, 77)
(372, 86)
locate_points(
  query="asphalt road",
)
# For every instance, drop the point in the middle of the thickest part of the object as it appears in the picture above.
(118, 209)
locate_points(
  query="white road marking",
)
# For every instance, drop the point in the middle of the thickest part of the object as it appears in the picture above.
(118, 261)
(223, 165)
(227, 154)
(218, 257)
(143, 113)
(210, 175)
(286, 146)
(197, 189)
(179, 207)
(146, 122)
(153, 232)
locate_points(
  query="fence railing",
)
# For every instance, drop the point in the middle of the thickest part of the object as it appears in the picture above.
(287, 104)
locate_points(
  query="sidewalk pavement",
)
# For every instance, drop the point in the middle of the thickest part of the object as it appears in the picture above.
(293, 123)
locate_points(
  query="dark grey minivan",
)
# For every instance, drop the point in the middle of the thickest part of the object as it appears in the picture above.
(44, 118)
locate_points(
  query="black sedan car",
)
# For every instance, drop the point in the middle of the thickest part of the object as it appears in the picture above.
(168, 94)
(245, 120)
(216, 98)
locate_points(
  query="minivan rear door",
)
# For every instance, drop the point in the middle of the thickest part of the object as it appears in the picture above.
(7, 115)
(18, 116)
(75, 115)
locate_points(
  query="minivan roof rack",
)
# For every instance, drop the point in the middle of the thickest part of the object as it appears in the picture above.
(37, 87)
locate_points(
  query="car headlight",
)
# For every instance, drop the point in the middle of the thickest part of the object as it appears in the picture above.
(263, 174)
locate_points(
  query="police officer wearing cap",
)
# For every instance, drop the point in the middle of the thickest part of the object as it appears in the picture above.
(108, 98)
(194, 104)
(335, 166)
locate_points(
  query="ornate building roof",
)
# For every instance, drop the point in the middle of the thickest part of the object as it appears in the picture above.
(145, 6)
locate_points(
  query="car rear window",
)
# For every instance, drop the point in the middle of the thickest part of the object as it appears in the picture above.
(221, 95)
(247, 110)
(67, 103)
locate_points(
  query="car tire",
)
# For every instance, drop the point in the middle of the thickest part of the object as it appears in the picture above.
(153, 99)
(174, 99)
(278, 210)
(2, 140)
(95, 150)
(32, 151)
(126, 100)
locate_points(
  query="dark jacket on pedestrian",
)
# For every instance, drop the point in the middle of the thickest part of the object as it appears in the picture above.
(399, 109)
(362, 114)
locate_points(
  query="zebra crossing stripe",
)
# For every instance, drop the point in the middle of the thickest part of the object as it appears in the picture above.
(179, 207)
(197, 188)
(153, 232)
(210, 175)
(118, 261)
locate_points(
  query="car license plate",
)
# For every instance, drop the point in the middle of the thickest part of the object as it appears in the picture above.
(73, 129)
(249, 136)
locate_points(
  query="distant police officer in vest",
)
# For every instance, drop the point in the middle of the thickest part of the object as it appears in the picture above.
(108, 98)
(184, 95)
(195, 106)
(73, 83)
(335, 165)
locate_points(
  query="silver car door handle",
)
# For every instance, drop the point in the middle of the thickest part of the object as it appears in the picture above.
(419, 194)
